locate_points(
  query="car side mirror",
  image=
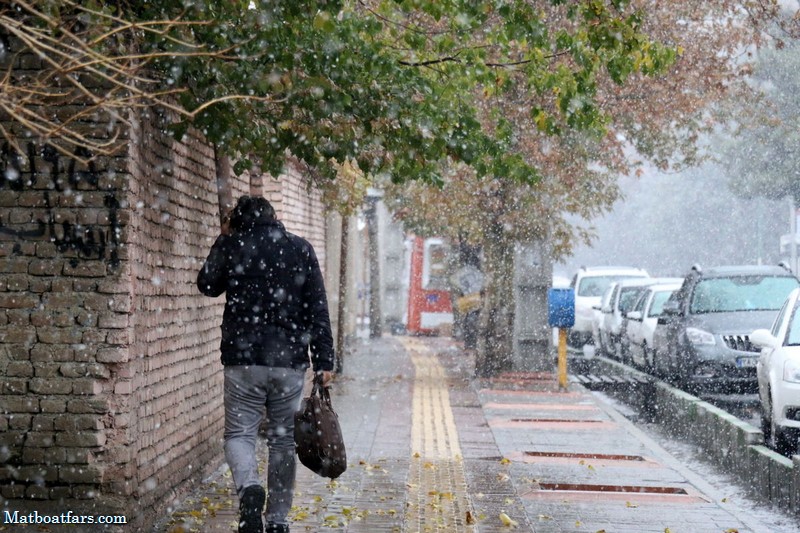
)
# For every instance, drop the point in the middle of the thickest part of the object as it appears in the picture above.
(635, 315)
(762, 338)
(596, 307)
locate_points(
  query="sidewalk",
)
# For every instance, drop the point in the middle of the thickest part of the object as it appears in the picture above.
(430, 448)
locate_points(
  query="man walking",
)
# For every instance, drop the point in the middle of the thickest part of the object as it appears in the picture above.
(275, 311)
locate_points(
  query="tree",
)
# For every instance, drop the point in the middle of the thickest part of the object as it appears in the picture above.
(379, 82)
(657, 115)
(763, 158)
(517, 94)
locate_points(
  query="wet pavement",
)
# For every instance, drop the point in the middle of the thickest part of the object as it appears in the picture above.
(430, 448)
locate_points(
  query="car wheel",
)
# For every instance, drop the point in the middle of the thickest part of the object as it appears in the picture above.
(648, 358)
(784, 440)
(625, 354)
(613, 349)
(766, 425)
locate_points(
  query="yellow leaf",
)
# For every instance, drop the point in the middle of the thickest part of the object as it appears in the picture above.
(505, 461)
(507, 520)
(732, 530)
(631, 505)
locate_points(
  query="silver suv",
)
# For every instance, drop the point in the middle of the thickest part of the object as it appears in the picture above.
(707, 323)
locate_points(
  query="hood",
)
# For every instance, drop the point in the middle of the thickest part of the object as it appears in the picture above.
(738, 323)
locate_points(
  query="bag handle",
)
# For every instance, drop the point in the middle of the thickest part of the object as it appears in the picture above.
(320, 390)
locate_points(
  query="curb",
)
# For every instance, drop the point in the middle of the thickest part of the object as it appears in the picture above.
(730, 443)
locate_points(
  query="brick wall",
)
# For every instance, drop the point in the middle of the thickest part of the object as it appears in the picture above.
(172, 387)
(112, 390)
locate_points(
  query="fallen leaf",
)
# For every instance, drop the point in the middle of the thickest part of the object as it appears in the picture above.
(505, 461)
(631, 505)
(470, 519)
(508, 521)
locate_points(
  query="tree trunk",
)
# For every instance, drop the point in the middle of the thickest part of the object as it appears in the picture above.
(495, 344)
(344, 251)
(224, 193)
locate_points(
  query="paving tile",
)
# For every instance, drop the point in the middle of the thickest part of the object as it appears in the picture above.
(389, 488)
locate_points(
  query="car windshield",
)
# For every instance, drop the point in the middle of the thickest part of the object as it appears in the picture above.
(659, 299)
(741, 293)
(596, 285)
(628, 297)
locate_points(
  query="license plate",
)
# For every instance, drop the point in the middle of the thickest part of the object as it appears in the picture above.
(746, 362)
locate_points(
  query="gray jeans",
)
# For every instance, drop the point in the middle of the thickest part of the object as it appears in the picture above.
(248, 389)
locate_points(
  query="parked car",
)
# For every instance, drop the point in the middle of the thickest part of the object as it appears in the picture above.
(599, 317)
(778, 372)
(707, 323)
(624, 294)
(642, 321)
(589, 284)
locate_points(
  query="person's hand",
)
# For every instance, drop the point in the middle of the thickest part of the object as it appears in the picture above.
(327, 377)
(225, 225)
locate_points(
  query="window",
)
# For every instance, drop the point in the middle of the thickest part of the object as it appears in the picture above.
(776, 325)
(434, 265)
(658, 301)
(628, 297)
(741, 293)
(793, 335)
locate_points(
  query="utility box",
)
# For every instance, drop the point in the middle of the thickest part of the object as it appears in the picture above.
(561, 308)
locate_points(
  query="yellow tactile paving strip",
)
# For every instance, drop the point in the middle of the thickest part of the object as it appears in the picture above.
(437, 485)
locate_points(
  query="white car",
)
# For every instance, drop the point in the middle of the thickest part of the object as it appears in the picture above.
(642, 321)
(624, 295)
(590, 283)
(778, 371)
(599, 318)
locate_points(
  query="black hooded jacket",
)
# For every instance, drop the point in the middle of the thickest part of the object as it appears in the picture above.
(276, 307)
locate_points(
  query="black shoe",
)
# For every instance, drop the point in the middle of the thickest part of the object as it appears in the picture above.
(250, 508)
(277, 528)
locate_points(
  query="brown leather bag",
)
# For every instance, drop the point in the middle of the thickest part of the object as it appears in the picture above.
(317, 434)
